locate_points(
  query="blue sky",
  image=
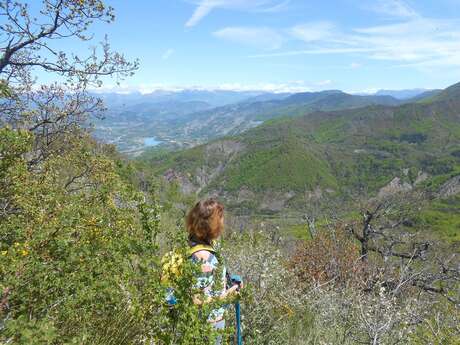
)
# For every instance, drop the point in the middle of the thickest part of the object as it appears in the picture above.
(288, 45)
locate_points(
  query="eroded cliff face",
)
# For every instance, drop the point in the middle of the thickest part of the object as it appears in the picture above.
(217, 156)
(224, 150)
(401, 184)
(184, 180)
(275, 201)
(218, 122)
(207, 176)
(450, 188)
(395, 186)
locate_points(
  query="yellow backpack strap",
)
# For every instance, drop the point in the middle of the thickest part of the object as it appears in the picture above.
(198, 247)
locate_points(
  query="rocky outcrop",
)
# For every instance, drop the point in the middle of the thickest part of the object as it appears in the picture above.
(204, 175)
(216, 157)
(450, 188)
(185, 184)
(421, 177)
(223, 149)
(395, 186)
(245, 194)
(275, 201)
(317, 193)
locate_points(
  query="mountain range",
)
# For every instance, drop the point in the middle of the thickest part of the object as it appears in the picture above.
(405, 94)
(188, 118)
(289, 160)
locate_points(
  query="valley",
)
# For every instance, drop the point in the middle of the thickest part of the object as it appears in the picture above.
(186, 119)
(339, 156)
(269, 155)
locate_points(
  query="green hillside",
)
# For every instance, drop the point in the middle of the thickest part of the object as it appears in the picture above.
(234, 119)
(449, 94)
(322, 153)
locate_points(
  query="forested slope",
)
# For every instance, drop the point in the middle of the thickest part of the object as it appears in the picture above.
(375, 150)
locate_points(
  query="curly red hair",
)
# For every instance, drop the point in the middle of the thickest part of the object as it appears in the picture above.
(204, 221)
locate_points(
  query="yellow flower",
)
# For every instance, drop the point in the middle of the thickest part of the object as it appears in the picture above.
(24, 252)
(16, 244)
(4, 252)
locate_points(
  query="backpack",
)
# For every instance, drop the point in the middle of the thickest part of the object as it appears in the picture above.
(172, 263)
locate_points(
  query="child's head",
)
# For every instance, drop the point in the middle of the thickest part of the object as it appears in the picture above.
(205, 221)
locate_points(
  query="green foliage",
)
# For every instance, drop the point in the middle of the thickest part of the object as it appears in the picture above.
(80, 262)
(442, 217)
(275, 311)
(298, 231)
(340, 152)
(5, 91)
(440, 328)
(79, 256)
(286, 167)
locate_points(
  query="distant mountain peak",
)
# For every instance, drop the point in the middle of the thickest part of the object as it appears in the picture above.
(402, 94)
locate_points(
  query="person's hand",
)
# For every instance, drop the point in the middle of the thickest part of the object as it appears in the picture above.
(231, 292)
(236, 280)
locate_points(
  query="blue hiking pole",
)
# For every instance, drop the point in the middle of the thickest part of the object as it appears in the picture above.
(239, 339)
(236, 279)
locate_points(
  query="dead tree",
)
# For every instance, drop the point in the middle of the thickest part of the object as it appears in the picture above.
(310, 224)
(387, 231)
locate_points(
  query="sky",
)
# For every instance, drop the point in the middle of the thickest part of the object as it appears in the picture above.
(287, 45)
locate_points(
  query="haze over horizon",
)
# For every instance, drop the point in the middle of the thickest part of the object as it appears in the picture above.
(285, 45)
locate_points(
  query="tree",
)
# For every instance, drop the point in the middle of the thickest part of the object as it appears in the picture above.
(380, 279)
(388, 230)
(79, 248)
(27, 41)
(30, 44)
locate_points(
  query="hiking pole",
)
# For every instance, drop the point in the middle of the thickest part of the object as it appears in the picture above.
(236, 279)
(239, 339)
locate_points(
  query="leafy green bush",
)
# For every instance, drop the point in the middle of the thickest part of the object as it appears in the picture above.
(79, 256)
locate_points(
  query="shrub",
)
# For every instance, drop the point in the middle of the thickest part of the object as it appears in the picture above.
(274, 309)
(413, 138)
(330, 256)
(79, 258)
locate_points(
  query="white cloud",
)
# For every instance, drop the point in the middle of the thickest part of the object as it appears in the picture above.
(315, 51)
(292, 87)
(204, 7)
(416, 40)
(276, 8)
(411, 39)
(266, 87)
(355, 65)
(167, 54)
(313, 31)
(264, 38)
(395, 8)
(324, 82)
(141, 88)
